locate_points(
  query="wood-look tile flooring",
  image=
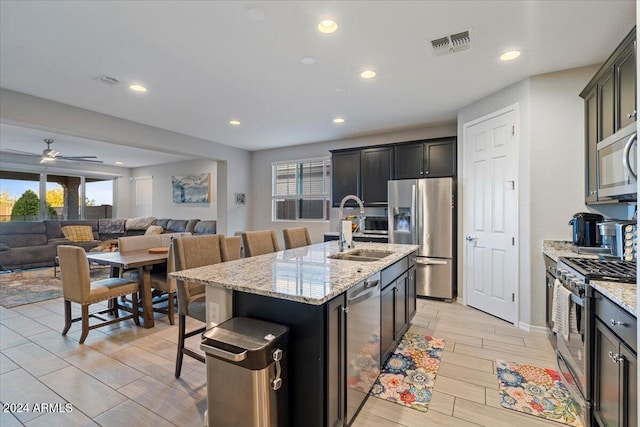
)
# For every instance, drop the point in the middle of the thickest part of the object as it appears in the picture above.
(123, 374)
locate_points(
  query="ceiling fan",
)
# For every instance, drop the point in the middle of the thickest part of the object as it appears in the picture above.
(50, 155)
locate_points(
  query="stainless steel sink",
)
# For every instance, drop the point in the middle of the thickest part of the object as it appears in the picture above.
(363, 255)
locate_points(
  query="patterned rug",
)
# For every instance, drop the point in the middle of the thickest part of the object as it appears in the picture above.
(37, 284)
(536, 391)
(409, 376)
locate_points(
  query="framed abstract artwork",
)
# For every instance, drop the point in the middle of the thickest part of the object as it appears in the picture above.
(191, 188)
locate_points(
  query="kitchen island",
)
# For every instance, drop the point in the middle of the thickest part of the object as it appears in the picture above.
(306, 290)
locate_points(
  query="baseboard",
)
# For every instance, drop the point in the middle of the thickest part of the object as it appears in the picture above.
(459, 300)
(530, 328)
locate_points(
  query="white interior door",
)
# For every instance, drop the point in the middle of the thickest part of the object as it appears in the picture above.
(143, 196)
(490, 214)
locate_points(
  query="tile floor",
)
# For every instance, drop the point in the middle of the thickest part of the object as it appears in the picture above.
(123, 375)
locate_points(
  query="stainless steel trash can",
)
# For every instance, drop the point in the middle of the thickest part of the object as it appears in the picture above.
(246, 373)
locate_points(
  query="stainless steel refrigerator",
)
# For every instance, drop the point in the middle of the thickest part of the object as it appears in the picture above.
(421, 212)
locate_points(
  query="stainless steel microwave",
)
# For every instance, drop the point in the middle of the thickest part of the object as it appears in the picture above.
(617, 164)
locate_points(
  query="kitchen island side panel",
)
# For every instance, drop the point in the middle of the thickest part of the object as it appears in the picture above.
(306, 353)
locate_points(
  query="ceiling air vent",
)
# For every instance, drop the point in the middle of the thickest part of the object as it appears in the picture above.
(107, 80)
(452, 43)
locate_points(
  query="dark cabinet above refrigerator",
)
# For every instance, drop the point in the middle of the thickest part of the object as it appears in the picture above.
(434, 158)
(364, 171)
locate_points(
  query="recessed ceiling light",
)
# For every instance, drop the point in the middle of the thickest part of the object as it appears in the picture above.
(508, 56)
(368, 74)
(234, 122)
(119, 163)
(308, 60)
(255, 14)
(138, 88)
(327, 26)
(338, 120)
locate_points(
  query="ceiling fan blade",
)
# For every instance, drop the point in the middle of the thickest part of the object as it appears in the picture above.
(79, 159)
(24, 153)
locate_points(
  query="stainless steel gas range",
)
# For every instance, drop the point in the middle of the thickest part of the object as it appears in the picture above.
(575, 354)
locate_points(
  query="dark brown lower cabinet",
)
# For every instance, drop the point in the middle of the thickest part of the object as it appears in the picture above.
(412, 293)
(401, 303)
(615, 380)
(387, 322)
(396, 302)
(336, 354)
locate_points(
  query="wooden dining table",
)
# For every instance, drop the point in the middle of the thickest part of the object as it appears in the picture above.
(143, 261)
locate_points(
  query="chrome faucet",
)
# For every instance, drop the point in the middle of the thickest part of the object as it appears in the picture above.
(341, 239)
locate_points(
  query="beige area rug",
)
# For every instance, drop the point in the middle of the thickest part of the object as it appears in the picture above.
(37, 284)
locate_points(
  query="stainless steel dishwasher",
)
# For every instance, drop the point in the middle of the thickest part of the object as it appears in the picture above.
(363, 341)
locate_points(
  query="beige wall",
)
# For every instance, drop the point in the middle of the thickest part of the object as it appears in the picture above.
(163, 205)
(261, 174)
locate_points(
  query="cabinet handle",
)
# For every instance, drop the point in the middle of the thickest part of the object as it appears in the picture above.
(426, 172)
(615, 357)
(615, 322)
(346, 310)
(632, 115)
(593, 192)
(421, 173)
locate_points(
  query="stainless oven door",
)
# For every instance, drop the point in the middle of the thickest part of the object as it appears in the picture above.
(573, 356)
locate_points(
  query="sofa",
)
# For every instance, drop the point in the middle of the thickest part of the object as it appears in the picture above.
(26, 244)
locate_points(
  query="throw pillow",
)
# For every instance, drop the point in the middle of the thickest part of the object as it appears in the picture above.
(78, 233)
(139, 223)
(153, 229)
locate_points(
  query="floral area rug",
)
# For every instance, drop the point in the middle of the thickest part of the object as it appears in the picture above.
(409, 376)
(536, 391)
(37, 284)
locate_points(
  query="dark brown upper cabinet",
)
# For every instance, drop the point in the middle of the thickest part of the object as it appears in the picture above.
(376, 169)
(364, 171)
(433, 158)
(610, 105)
(345, 176)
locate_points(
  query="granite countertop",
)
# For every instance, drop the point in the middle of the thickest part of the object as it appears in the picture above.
(380, 235)
(562, 248)
(623, 294)
(303, 274)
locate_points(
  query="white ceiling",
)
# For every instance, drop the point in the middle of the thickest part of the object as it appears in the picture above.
(205, 63)
(26, 140)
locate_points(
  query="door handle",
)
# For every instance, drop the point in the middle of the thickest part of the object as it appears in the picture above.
(431, 262)
(632, 115)
(470, 239)
(615, 322)
(626, 161)
(616, 357)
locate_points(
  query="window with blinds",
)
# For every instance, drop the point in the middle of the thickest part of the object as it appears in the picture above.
(301, 190)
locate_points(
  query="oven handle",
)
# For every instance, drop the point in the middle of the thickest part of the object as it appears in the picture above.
(625, 156)
(576, 299)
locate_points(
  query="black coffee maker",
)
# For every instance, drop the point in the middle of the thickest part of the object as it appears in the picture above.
(585, 229)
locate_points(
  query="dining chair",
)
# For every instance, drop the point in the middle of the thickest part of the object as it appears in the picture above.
(77, 287)
(259, 242)
(163, 285)
(296, 237)
(234, 247)
(192, 252)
